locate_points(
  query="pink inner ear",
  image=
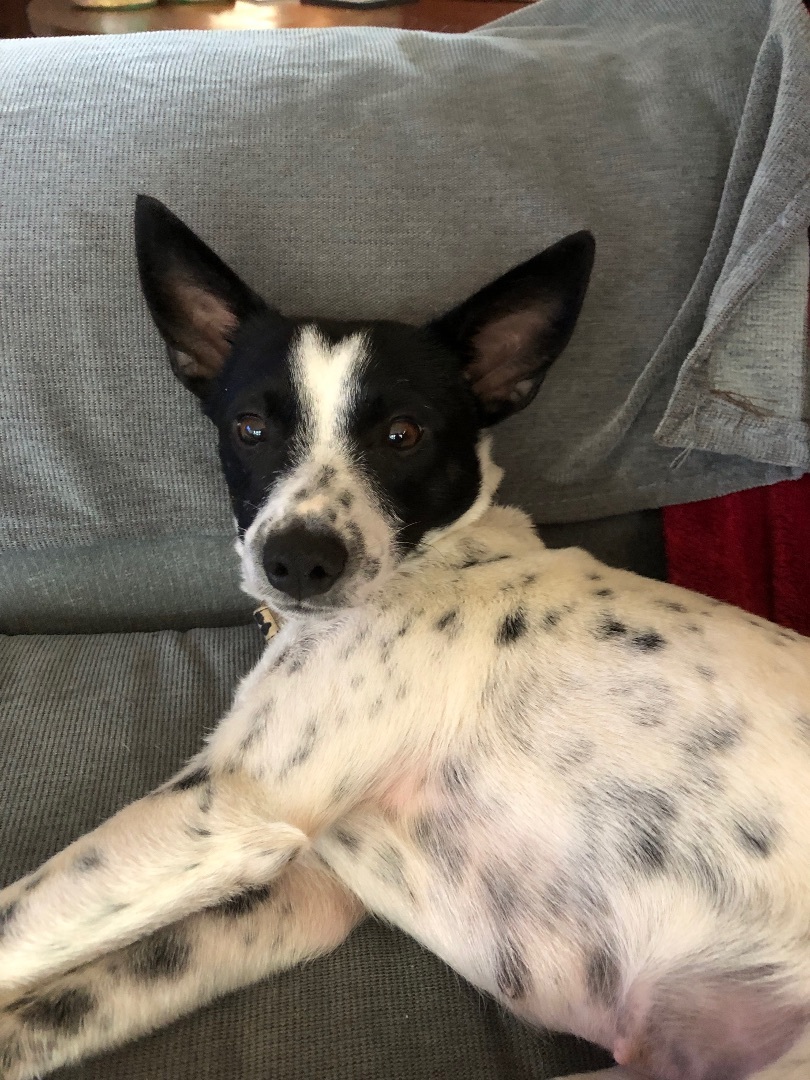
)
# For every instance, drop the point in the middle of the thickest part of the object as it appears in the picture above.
(726, 1029)
(206, 325)
(509, 352)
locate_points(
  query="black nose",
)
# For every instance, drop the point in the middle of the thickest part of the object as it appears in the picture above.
(303, 562)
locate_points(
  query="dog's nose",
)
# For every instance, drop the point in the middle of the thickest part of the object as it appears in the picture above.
(303, 562)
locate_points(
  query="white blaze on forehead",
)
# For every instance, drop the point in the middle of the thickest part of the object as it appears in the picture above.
(327, 377)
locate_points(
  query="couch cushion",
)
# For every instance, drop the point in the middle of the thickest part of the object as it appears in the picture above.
(373, 172)
(89, 723)
(161, 583)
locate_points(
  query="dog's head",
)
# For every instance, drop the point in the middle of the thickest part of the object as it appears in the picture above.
(345, 445)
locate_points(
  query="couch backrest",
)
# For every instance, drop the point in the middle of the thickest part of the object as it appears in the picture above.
(347, 173)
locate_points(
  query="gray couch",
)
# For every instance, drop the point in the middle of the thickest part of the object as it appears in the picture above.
(357, 173)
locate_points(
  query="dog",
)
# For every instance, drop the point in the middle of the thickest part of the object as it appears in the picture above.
(587, 792)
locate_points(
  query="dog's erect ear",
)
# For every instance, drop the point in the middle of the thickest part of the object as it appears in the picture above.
(509, 333)
(197, 301)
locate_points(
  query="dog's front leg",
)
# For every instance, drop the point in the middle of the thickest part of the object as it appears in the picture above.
(304, 913)
(191, 844)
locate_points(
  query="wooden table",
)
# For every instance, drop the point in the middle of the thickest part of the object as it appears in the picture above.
(49, 18)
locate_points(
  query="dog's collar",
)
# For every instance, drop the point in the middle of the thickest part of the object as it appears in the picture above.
(268, 622)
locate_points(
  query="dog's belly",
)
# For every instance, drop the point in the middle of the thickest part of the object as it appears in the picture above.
(479, 917)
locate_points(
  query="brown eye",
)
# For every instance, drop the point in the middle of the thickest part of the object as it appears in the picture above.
(403, 433)
(251, 428)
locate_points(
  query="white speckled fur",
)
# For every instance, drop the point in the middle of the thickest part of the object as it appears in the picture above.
(519, 762)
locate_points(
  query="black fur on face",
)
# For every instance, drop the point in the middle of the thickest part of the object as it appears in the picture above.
(358, 438)
(425, 487)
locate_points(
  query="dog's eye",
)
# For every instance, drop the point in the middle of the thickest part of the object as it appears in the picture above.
(251, 428)
(403, 433)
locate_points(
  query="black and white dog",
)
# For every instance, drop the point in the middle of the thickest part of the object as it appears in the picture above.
(588, 792)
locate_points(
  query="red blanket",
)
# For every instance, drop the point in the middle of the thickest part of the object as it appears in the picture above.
(751, 549)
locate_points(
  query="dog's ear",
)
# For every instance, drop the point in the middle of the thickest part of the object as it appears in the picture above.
(197, 301)
(509, 333)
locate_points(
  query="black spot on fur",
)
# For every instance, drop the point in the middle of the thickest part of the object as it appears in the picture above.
(346, 838)
(693, 628)
(640, 820)
(756, 837)
(304, 750)
(455, 774)
(580, 751)
(195, 830)
(298, 662)
(331, 516)
(252, 737)
(245, 902)
(602, 976)
(503, 892)
(706, 871)
(447, 620)
(512, 976)
(32, 883)
(513, 626)
(803, 724)
(346, 500)
(11, 1054)
(649, 641)
(671, 605)
(527, 580)
(610, 627)
(608, 594)
(325, 476)
(593, 577)
(479, 558)
(191, 780)
(163, 955)
(706, 673)
(64, 1012)
(650, 709)
(114, 909)
(358, 543)
(713, 739)
(391, 867)
(281, 659)
(551, 619)
(89, 860)
(206, 798)
(440, 835)
(7, 913)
